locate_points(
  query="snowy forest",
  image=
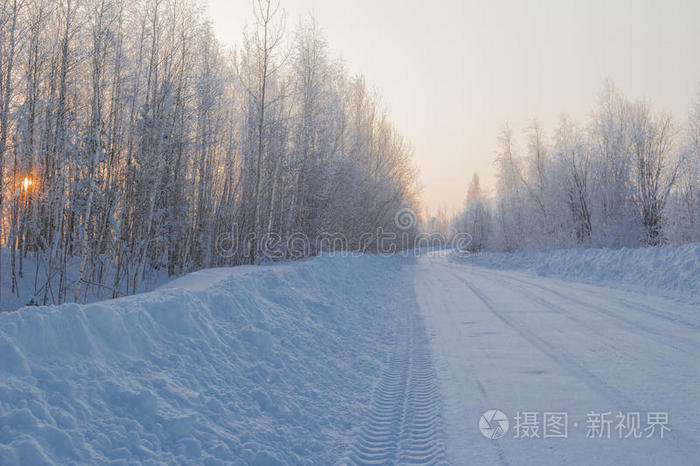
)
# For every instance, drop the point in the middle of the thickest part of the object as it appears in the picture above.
(133, 144)
(628, 177)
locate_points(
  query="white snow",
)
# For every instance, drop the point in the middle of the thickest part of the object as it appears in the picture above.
(32, 285)
(671, 271)
(518, 342)
(361, 360)
(263, 365)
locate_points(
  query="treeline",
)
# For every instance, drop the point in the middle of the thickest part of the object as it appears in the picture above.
(628, 177)
(132, 142)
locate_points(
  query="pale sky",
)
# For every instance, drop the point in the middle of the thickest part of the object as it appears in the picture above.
(453, 72)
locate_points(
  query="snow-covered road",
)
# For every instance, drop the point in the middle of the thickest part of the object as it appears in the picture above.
(364, 360)
(540, 349)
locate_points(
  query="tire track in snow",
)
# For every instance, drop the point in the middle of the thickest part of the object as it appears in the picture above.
(684, 445)
(404, 424)
(483, 395)
(564, 360)
(590, 306)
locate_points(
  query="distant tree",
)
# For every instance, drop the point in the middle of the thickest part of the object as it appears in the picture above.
(626, 178)
(656, 171)
(475, 219)
(509, 205)
(686, 213)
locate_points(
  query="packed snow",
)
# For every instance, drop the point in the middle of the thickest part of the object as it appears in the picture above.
(527, 345)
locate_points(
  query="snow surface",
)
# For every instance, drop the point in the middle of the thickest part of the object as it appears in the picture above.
(369, 360)
(518, 342)
(671, 271)
(264, 365)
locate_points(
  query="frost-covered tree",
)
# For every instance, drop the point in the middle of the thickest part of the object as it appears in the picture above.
(624, 178)
(133, 144)
(683, 216)
(655, 168)
(476, 218)
(509, 214)
(572, 192)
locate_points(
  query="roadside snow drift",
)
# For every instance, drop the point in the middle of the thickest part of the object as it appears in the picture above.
(671, 271)
(266, 365)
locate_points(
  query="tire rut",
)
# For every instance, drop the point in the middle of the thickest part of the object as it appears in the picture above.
(404, 424)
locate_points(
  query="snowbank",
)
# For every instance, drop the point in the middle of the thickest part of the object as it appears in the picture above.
(671, 271)
(263, 365)
(31, 284)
